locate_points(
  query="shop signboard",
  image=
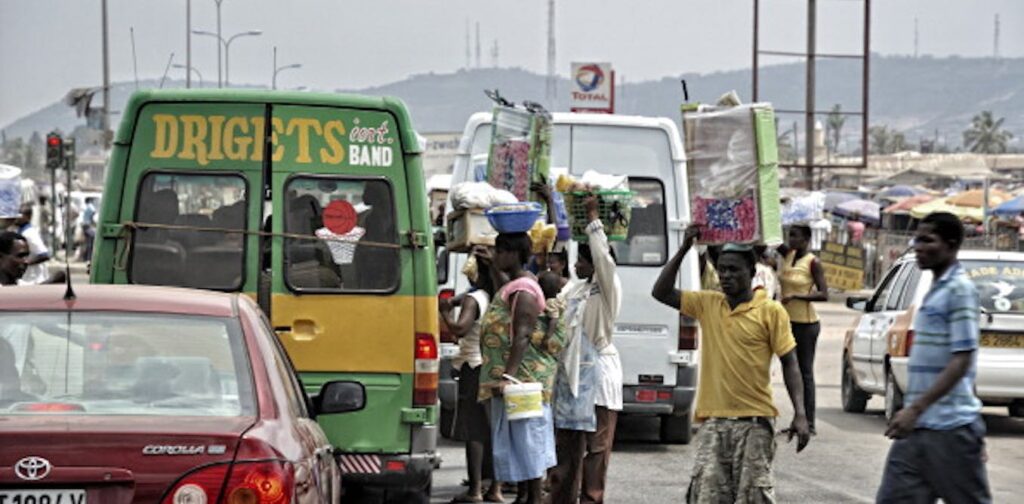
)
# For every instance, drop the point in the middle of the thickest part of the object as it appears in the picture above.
(844, 265)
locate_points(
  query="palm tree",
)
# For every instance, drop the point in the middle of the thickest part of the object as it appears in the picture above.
(986, 135)
(879, 139)
(834, 123)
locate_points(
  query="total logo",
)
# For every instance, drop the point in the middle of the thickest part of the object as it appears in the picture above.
(589, 78)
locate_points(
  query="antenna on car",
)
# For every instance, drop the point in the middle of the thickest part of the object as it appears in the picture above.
(69, 292)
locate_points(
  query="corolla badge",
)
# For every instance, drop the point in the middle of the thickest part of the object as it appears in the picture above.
(32, 468)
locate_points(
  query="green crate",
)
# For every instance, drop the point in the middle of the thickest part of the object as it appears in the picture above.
(614, 207)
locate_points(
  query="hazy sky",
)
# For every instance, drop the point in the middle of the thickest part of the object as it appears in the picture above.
(50, 46)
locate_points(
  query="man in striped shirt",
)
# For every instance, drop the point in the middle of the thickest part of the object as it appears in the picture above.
(939, 447)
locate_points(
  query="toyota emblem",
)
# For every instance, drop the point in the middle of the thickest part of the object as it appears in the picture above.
(32, 468)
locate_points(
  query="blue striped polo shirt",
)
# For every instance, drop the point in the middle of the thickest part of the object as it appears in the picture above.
(946, 323)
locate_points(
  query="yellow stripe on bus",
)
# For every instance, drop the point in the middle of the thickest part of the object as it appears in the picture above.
(373, 333)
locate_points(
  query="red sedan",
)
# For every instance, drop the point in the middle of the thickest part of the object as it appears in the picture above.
(151, 394)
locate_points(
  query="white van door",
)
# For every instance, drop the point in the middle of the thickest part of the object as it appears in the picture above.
(646, 333)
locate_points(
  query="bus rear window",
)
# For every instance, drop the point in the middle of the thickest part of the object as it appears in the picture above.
(182, 238)
(351, 242)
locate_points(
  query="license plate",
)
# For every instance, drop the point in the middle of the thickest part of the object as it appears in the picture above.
(1002, 340)
(42, 497)
(646, 395)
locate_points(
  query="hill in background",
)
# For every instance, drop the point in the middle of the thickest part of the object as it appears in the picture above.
(914, 95)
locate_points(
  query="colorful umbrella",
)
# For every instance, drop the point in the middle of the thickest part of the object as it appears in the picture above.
(1010, 208)
(975, 214)
(904, 206)
(901, 191)
(859, 209)
(976, 198)
(833, 199)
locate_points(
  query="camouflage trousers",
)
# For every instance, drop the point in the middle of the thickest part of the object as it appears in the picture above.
(734, 462)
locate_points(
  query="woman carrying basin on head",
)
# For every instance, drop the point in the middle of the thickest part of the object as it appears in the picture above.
(524, 449)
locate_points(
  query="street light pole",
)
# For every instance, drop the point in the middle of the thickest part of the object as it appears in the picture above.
(106, 81)
(227, 52)
(277, 69)
(188, 43)
(226, 46)
(221, 39)
(189, 70)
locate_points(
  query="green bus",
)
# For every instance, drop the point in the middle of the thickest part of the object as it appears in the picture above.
(314, 205)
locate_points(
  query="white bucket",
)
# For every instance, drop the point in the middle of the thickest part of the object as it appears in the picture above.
(523, 400)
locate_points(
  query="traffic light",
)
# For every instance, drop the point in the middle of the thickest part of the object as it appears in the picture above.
(54, 151)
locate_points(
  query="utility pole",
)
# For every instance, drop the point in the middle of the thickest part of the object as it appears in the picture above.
(494, 54)
(551, 84)
(469, 56)
(477, 44)
(995, 42)
(188, 43)
(106, 80)
(915, 39)
(812, 18)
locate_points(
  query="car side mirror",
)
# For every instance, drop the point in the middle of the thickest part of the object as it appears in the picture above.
(341, 397)
(857, 303)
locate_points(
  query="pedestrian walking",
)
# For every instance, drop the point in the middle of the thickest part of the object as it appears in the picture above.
(803, 282)
(523, 449)
(741, 331)
(589, 382)
(471, 423)
(36, 271)
(88, 228)
(939, 448)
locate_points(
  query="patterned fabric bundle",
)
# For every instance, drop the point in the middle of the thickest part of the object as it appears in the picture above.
(727, 220)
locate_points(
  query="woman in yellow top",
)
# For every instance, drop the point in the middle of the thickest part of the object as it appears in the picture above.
(802, 279)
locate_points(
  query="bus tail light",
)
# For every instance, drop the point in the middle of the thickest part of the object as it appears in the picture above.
(426, 366)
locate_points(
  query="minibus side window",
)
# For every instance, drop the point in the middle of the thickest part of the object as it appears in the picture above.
(351, 242)
(186, 244)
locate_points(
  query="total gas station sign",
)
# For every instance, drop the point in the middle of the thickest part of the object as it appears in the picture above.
(592, 87)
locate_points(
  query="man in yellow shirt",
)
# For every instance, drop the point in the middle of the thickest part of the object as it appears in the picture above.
(741, 329)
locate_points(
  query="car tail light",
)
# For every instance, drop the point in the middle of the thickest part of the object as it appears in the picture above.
(687, 333)
(268, 482)
(200, 487)
(395, 466)
(425, 376)
(908, 342)
(664, 395)
(446, 335)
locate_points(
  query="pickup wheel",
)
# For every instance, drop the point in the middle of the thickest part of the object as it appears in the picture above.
(893, 395)
(676, 429)
(854, 399)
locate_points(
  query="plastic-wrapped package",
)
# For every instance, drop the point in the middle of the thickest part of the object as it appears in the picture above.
(732, 169)
(479, 195)
(520, 149)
